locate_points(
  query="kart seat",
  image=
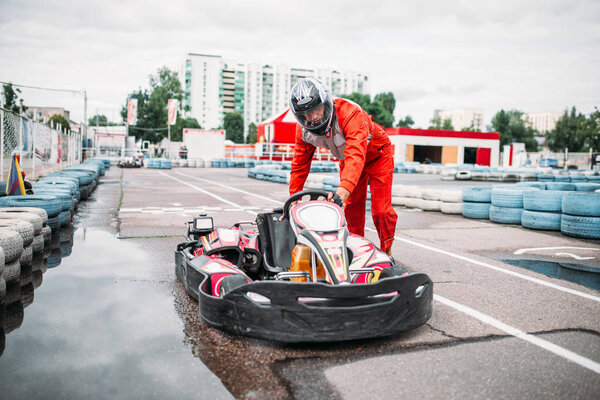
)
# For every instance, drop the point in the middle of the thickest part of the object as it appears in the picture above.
(277, 240)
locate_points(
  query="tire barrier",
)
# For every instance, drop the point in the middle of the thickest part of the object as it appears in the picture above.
(509, 197)
(506, 215)
(33, 219)
(587, 187)
(476, 210)
(541, 220)
(560, 186)
(580, 226)
(24, 228)
(477, 194)
(543, 200)
(581, 203)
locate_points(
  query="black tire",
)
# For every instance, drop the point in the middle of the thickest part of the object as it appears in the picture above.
(33, 219)
(26, 257)
(31, 210)
(393, 271)
(231, 282)
(14, 316)
(12, 243)
(24, 228)
(37, 277)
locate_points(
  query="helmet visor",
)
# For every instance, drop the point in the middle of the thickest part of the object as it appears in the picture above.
(315, 120)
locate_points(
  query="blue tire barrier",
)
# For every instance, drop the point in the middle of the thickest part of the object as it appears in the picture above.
(165, 164)
(476, 210)
(545, 178)
(560, 186)
(580, 226)
(587, 186)
(51, 204)
(64, 218)
(54, 222)
(548, 221)
(85, 178)
(506, 215)
(577, 178)
(94, 175)
(59, 184)
(562, 178)
(511, 197)
(478, 194)
(543, 200)
(538, 185)
(65, 197)
(581, 203)
(594, 178)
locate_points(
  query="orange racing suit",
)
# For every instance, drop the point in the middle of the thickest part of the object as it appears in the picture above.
(366, 157)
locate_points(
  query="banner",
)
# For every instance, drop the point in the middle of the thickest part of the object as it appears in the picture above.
(172, 112)
(132, 111)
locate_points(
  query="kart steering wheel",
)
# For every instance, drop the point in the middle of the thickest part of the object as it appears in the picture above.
(314, 195)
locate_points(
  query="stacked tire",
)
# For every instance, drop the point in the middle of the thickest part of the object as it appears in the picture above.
(452, 202)
(581, 215)
(476, 202)
(542, 209)
(507, 204)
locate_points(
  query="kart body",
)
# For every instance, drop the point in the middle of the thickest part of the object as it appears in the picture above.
(131, 162)
(303, 279)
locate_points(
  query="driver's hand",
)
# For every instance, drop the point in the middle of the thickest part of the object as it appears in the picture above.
(341, 192)
(291, 204)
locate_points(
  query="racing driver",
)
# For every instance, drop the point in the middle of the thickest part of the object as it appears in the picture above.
(362, 146)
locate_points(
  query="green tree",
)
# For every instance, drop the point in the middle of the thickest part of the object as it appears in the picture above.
(252, 131)
(407, 122)
(593, 137)
(233, 123)
(375, 108)
(387, 100)
(570, 132)
(437, 123)
(98, 120)
(180, 125)
(512, 128)
(59, 119)
(11, 98)
(362, 100)
(152, 105)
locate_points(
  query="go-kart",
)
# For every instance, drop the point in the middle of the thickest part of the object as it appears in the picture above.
(131, 162)
(301, 279)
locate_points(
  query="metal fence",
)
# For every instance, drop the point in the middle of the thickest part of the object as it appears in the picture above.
(41, 149)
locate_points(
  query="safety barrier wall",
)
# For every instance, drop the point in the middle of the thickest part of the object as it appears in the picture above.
(42, 149)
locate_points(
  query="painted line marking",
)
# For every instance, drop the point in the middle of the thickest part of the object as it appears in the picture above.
(493, 267)
(519, 334)
(522, 251)
(228, 187)
(231, 203)
(575, 256)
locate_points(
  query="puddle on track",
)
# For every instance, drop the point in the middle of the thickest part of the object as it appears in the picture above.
(100, 326)
(557, 270)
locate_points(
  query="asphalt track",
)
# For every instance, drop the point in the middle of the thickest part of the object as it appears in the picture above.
(497, 331)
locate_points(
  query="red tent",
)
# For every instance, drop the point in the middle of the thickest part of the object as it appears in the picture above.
(280, 128)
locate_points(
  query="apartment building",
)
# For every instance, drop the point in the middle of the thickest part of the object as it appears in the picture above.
(214, 86)
(542, 121)
(462, 118)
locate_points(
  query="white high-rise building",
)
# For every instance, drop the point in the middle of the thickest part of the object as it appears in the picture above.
(543, 121)
(213, 87)
(462, 118)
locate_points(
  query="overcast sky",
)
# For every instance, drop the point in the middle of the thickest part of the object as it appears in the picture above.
(528, 55)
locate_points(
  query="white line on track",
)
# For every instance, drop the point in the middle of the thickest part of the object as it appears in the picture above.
(493, 267)
(544, 344)
(231, 203)
(228, 187)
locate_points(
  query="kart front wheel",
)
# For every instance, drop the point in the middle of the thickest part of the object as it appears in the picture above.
(394, 270)
(231, 282)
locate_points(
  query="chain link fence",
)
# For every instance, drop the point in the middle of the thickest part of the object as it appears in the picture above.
(41, 149)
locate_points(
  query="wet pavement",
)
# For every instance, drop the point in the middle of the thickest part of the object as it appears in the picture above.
(111, 321)
(102, 324)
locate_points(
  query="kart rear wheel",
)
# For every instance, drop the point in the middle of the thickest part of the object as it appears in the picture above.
(231, 282)
(394, 270)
